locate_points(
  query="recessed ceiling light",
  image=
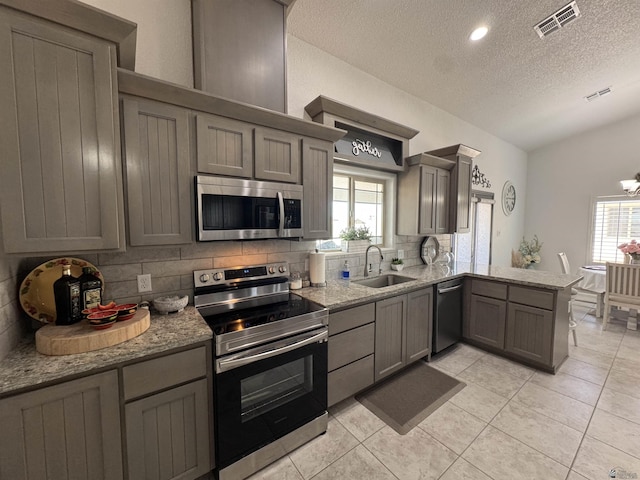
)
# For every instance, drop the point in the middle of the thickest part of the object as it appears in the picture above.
(478, 33)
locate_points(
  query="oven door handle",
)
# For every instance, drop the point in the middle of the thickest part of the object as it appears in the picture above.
(281, 208)
(280, 348)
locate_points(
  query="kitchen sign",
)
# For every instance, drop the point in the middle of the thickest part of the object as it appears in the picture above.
(362, 146)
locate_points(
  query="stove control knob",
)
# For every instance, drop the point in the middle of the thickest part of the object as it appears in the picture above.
(217, 276)
(272, 270)
(282, 269)
(204, 278)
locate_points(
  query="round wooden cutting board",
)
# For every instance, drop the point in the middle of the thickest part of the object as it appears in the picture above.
(81, 337)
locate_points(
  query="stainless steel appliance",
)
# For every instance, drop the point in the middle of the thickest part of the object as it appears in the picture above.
(447, 314)
(235, 209)
(270, 364)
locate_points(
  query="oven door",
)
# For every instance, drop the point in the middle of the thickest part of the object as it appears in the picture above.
(269, 391)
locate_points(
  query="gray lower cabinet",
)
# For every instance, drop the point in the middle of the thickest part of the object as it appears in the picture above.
(317, 179)
(529, 333)
(159, 170)
(487, 321)
(391, 318)
(351, 348)
(61, 182)
(419, 324)
(167, 421)
(69, 430)
(168, 434)
(524, 322)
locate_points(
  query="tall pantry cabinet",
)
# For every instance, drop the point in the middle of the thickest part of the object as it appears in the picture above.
(61, 182)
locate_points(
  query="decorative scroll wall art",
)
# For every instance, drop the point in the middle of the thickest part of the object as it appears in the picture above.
(478, 178)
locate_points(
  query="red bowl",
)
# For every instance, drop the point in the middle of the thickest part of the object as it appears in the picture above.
(126, 311)
(88, 311)
(102, 325)
(102, 317)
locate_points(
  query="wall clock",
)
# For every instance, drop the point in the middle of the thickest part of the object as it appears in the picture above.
(508, 198)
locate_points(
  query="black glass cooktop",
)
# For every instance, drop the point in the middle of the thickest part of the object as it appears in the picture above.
(236, 320)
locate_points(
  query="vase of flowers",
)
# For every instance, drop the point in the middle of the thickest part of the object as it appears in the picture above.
(528, 254)
(631, 251)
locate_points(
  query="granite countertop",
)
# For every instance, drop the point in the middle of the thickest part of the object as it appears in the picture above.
(338, 294)
(24, 367)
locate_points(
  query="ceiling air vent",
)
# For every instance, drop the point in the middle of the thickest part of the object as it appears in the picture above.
(559, 19)
(598, 94)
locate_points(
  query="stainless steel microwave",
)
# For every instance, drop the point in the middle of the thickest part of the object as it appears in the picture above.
(236, 209)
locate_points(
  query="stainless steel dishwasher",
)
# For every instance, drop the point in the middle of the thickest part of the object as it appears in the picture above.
(447, 314)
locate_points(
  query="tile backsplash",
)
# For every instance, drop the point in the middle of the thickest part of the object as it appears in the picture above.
(172, 267)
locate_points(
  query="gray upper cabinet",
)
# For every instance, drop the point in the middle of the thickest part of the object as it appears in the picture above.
(276, 155)
(317, 178)
(460, 194)
(225, 146)
(61, 182)
(424, 196)
(240, 50)
(159, 171)
(69, 430)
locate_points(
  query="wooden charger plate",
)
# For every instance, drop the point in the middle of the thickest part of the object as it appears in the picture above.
(81, 337)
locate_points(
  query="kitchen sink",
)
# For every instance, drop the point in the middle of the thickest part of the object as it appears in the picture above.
(383, 281)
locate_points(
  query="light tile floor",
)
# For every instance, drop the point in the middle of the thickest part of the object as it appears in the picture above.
(510, 421)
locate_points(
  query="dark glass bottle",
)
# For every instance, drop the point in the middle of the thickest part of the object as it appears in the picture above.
(90, 289)
(66, 291)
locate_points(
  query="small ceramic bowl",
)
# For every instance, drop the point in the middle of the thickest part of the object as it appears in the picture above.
(88, 311)
(172, 304)
(105, 316)
(126, 311)
(102, 324)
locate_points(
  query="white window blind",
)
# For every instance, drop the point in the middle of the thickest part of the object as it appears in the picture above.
(615, 221)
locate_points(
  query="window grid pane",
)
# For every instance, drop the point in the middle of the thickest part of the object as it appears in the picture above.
(615, 222)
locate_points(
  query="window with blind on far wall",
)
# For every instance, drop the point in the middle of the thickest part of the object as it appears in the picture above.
(616, 220)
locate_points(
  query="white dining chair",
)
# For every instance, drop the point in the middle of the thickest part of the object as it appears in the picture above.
(566, 269)
(623, 290)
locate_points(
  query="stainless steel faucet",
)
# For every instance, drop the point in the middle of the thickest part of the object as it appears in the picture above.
(366, 260)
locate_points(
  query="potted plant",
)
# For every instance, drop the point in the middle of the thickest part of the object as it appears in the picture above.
(397, 264)
(355, 239)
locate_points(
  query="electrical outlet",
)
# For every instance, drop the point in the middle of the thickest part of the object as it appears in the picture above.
(144, 283)
(400, 254)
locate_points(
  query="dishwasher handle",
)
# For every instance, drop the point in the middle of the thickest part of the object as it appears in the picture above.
(450, 289)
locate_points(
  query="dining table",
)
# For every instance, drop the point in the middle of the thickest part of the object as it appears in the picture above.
(594, 281)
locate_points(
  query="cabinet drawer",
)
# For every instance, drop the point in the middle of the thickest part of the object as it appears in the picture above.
(489, 289)
(349, 346)
(351, 318)
(350, 379)
(532, 297)
(153, 375)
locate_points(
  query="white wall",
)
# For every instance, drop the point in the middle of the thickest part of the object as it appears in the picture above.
(564, 178)
(164, 51)
(312, 72)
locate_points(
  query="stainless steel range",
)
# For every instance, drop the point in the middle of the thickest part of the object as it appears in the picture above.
(270, 364)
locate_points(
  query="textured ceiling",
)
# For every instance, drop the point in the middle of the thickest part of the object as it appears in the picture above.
(523, 89)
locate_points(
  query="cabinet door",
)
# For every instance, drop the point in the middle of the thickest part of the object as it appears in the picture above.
(419, 324)
(462, 207)
(317, 179)
(61, 182)
(428, 199)
(391, 315)
(443, 190)
(159, 172)
(277, 156)
(69, 430)
(225, 146)
(168, 434)
(529, 333)
(487, 320)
